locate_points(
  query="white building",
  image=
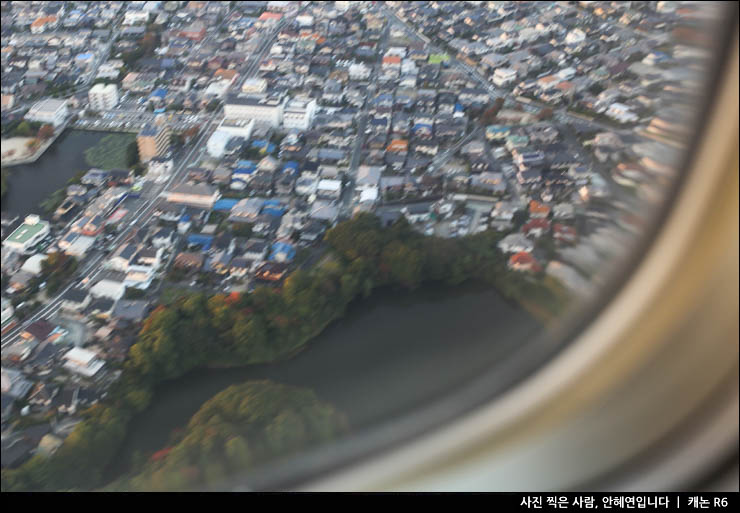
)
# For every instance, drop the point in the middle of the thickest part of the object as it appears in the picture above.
(82, 361)
(33, 264)
(515, 243)
(329, 188)
(621, 113)
(80, 246)
(103, 96)
(49, 111)
(135, 17)
(108, 288)
(299, 114)
(27, 235)
(254, 85)
(304, 20)
(204, 196)
(160, 169)
(216, 145)
(503, 77)
(342, 6)
(237, 127)
(575, 37)
(263, 109)
(359, 71)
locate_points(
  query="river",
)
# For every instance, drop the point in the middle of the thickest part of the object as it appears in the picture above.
(389, 354)
(30, 184)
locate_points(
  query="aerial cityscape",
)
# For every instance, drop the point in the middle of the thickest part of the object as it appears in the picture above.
(192, 188)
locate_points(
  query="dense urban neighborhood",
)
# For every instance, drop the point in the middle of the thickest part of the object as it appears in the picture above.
(262, 149)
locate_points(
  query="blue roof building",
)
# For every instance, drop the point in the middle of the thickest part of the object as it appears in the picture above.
(282, 252)
(249, 164)
(159, 92)
(204, 241)
(290, 167)
(225, 204)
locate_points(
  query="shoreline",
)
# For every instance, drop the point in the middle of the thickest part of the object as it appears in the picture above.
(30, 159)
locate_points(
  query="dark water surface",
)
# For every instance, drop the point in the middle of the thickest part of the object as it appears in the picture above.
(390, 353)
(30, 184)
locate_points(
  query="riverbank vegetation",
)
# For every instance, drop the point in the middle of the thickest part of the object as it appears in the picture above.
(269, 324)
(20, 128)
(234, 431)
(113, 152)
(3, 183)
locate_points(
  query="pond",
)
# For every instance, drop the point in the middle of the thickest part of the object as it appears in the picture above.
(30, 184)
(389, 354)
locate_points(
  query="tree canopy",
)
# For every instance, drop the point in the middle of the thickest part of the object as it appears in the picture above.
(235, 430)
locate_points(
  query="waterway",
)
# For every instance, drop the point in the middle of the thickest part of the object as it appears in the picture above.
(30, 184)
(391, 353)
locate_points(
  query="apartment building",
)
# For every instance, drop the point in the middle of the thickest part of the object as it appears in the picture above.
(263, 109)
(153, 141)
(49, 111)
(299, 114)
(103, 96)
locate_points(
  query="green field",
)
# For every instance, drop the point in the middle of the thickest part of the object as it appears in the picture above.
(111, 152)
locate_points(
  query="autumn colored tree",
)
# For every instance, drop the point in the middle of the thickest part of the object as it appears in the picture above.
(489, 115)
(544, 113)
(45, 132)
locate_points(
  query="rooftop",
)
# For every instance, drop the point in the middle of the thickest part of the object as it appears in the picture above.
(27, 231)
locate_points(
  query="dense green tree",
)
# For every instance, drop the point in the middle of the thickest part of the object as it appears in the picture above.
(237, 429)
(23, 129)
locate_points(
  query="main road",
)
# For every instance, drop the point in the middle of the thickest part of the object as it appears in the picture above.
(144, 209)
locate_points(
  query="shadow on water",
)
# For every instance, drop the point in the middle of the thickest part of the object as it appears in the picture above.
(388, 354)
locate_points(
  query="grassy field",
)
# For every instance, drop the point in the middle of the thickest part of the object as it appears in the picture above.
(110, 152)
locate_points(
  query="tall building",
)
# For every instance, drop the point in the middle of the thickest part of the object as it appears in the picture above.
(299, 114)
(153, 141)
(264, 109)
(31, 232)
(103, 96)
(49, 111)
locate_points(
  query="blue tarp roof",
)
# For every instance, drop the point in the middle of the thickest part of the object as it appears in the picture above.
(159, 92)
(244, 171)
(291, 164)
(204, 241)
(246, 164)
(225, 204)
(274, 211)
(283, 247)
(263, 144)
